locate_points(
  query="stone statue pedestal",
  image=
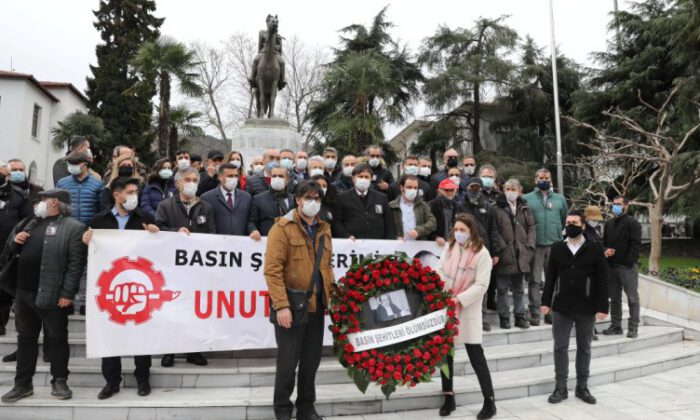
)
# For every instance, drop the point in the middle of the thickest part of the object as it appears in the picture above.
(258, 134)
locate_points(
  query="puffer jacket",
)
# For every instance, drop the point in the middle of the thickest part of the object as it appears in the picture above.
(84, 196)
(154, 193)
(289, 260)
(512, 237)
(425, 221)
(549, 215)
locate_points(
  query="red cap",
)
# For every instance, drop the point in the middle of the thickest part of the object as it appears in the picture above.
(447, 184)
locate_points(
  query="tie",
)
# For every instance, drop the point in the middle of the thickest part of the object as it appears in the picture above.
(229, 200)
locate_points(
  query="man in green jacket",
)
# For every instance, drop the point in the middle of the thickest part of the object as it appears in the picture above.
(50, 260)
(549, 209)
(413, 219)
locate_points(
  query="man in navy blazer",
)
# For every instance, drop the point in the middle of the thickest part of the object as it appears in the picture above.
(231, 205)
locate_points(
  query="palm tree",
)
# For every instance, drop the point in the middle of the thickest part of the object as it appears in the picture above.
(183, 121)
(78, 124)
(163, 61)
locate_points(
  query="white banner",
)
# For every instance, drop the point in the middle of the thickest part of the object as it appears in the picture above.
(405, 331)
(172, 293)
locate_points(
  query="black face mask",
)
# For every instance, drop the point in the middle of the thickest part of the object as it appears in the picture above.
(126, 171)
(573, 231)
(452, 162)
(446, 201)
(473, 196)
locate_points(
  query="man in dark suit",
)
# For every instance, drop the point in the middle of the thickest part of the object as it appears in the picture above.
(363, 213)
(271, 204)
(231, 205)
(410, 167)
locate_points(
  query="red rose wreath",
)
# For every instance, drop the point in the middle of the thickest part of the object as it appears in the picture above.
(415, 360)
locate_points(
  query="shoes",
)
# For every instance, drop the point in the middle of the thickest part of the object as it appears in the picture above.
(595, 337)
(521, 323)
(108, 391)
(285, 416)
(584, 395)
(448, 406)
(534, 322)
(632, 333)
(308, 414)
(17, 393)
(485, 326)
(548, 319)
(488, 410)
(60, 390)
(196, 359)
(558, 396)
(12, 357)
(168, 360)
(144, 389)
(613, 330)
(505, 324)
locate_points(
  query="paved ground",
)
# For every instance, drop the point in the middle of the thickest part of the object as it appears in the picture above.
(670, 395)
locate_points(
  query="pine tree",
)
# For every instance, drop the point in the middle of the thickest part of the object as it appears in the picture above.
(124, 25)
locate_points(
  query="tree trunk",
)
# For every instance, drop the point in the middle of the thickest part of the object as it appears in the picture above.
(656, 218)
(164, 116)
(476, 126)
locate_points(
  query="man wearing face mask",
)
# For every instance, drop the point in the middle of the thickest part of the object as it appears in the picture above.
(381, 176)
(344, 181)
(185, 213)
(409, 166)
(445, 207)
(209, 177)
(490, 191)
(271, 204)
(259, 182)
(300, 166)
(549, 209)
(18, 178)
(287, 157)
(124, 215)
(622, 238)
(85, 190)
(316, 168)
(593, 226)
(451, 160)
(576, 294)
(413, 219)
(469, 165)
(51, 257)
(231, 205)
(363, 213)
(77, 144)
(425, 168)
(182, 160)
(330, 163)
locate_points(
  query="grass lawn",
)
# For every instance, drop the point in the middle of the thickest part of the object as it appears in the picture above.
(671, 262)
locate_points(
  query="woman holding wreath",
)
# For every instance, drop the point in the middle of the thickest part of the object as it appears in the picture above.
(465, 267)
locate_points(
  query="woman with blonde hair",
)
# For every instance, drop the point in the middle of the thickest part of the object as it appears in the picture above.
(124, 166)
(465, 267)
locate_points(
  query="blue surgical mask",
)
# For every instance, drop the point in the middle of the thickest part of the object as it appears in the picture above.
(617, 209)
(17, 177)
(487, 181)
(287, 163)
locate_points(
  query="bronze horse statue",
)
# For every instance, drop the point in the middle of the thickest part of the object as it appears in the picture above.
(268, 73)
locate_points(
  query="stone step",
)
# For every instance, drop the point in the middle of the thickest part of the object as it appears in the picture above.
(336, 399)
(257, 372)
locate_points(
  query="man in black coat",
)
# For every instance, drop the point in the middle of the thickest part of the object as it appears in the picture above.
(18, 178)
(362, 213)
(622, 239)
(60, 167)
(381, 176)
(259, 183)
(409, 166)
(269, 205)
(209, 176)
(124, 215)
(231, 205)
(444, 207)
(450, 159)
(575, 292)
(344, 181)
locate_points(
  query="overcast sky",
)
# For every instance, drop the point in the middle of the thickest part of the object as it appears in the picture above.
(55, 40)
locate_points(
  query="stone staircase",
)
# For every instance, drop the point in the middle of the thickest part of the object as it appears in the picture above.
(239, 386)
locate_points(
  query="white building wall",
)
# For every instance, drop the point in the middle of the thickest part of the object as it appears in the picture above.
(69, 104)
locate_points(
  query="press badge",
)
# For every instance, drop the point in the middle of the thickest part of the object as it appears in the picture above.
(51, 230)
(549, 204)
(378, 209)
(2, 204)
(482, 211)
(201, 220)
(374, 177)
(329, 216)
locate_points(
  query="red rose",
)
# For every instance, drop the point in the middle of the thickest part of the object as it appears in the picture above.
(410, 367)
(349, 348)
(397, 375)
(426, 355)
(372, 362)
(417, 353)
(336, 317)
(390, 368)
(397, 358)
(406, 359)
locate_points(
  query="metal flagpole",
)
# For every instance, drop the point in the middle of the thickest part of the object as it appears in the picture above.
(555, 84)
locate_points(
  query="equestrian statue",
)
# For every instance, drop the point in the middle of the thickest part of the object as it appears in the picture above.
(267, 75)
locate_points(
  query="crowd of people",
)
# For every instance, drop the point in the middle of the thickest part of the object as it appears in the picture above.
(497, 238)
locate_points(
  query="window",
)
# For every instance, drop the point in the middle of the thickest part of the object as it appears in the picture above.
(36, 120)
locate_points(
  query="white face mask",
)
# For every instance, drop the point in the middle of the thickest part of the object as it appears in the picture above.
(330, 163)
(231, 183)
(310, 208)
(324, 191)
(362, 184)
(374, 162)
(277, 184)
(41, 210)
(235, 162)
(132, 201)
(411, 170)
(302, 163)
(257, 169)
(456, 179)
(165, 173)
(461, 237)
(286, 163)
(410, 195)
(511, 195)
(189, 189)
(469, 170)
(75, 169)
(347, 170)
(183, 163)
(424, 171)
(594, 223)
(316, 171)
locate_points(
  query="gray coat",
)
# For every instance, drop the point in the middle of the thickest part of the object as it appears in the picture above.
(229, 221)
(512, 237)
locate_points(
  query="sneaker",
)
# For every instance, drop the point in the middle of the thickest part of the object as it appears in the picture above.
(17, 393)
(558, 396)
(60, 390)
(613, 330)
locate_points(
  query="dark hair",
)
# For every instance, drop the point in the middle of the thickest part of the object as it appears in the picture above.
(475, 241)
(406, 177)
(195, 158)
(118, 184)
(624, 199)
(182, 152)
(410, 157)
(153, 176)
(581, 215)
(306, 187)
(225, 166)
(331, 193)
(77, 141)
(361, 167)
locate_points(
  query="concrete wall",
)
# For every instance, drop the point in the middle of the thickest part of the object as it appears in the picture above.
(670, 303)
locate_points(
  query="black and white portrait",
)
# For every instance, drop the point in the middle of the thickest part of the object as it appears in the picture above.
(389, 306)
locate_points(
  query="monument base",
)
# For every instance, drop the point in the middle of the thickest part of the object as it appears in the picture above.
(258, 134)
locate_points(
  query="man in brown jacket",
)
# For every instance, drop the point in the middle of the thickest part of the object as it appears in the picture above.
(289, 264)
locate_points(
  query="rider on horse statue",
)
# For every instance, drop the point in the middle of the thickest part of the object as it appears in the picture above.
(262, 39)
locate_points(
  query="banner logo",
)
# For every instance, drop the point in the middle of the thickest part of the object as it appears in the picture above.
(131, 290)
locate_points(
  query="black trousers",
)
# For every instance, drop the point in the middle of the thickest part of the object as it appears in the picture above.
(112, 369)
(561, 332)
(28, 321)
(481, 368)
(298, 346)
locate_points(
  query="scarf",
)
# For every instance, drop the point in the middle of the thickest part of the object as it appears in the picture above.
(459, 267)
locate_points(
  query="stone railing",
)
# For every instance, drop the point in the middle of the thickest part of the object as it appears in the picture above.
(667, 302)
